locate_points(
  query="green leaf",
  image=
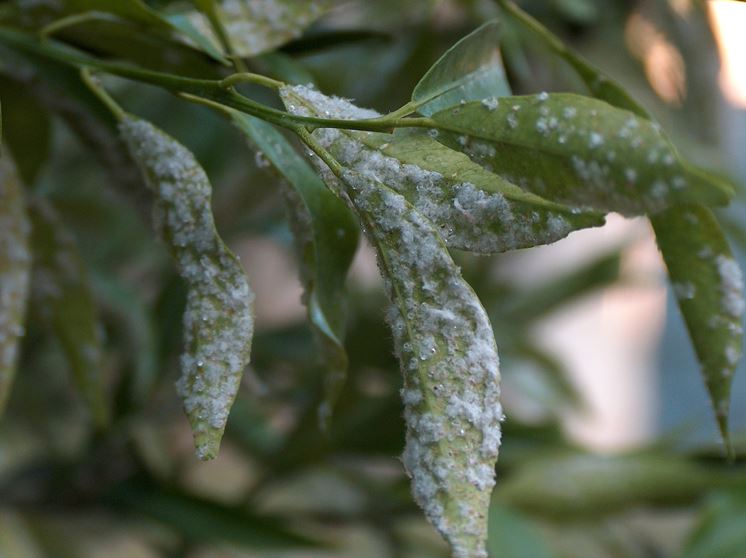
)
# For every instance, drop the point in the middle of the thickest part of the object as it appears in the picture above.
(26, 129)
(130, 312)
(515, 536)
(676, 229)
(15, 265)
(708, 285)
(63, 297)
(470, 70)
(721, 531)
(257, 26)
(473, 209)
(326, 236)
(218, 321)
(571, 486)
(448, 358)
(578, 150)
(204, 521)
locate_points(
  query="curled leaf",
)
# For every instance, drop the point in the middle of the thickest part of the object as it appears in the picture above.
(218, 321)
(578, 150)
(473, 209)
(15, 264)
(61, 289)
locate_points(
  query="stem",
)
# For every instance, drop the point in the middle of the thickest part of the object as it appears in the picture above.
(95, 86)
(205, 88)
(248, 77)
(321, 151)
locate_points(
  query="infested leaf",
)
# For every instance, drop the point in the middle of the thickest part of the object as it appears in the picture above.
(15, 266)
(473, 209)
(326, 237)
(708, 285)
(578, 150)
(218, 321)
(470, 70)
(257, 26)
(61, 289)
(448, 358)
(718, 349)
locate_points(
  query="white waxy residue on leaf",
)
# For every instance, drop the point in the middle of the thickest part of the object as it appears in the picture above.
(218, 321)
(467, 216)
(449, 360)
(15, 263)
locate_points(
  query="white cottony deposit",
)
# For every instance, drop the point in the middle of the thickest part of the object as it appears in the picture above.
(442, 336)
(731, 284)
(218, 321)
(15, 263)
(467, 217)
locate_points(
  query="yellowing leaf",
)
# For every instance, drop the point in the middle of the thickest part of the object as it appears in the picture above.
(218, 321)
(15, 264)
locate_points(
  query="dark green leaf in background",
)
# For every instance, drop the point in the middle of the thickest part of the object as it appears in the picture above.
(15, 264)
(326, 236)
(62, 297)
(26, 129)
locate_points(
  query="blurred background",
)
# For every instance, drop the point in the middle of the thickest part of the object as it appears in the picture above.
(609, 449)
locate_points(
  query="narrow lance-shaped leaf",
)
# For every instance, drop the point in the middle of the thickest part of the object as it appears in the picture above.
(449, 361)
(447, 351)
(578, 150)
(708, 285)
(62, 295)
(326, 236)
(473, 209)
(218, 321)
(256, 26)
(718, 349)
(470, 70)
(15, 264)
